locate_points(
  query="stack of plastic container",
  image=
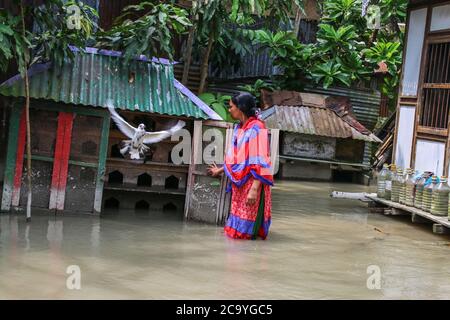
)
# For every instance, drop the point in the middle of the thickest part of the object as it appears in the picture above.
(428, 193)
(420, 185)
(410, 189)
(439, 200)
(402, 193)
(397, 180)
(381, 184)
(388, 182)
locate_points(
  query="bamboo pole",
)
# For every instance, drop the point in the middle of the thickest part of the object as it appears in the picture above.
(27, 113)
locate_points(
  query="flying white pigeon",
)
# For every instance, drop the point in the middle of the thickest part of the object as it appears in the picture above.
(139, 137)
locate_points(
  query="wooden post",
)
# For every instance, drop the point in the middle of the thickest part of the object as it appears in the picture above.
(196, 146)
(298, 19)
(61, 161)
(21, 141)
(224, 198)
(10, 158)
(188, 56)
(440, 229)
(415, 218)
(101, 165)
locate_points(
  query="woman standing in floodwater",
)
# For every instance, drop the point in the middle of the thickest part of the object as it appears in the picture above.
(247, 165)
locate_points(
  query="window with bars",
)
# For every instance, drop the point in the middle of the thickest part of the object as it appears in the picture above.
(436, 87)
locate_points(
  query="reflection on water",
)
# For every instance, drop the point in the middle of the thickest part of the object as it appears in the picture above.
(318, 248)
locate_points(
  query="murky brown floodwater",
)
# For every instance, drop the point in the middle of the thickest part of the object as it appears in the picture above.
(318, 248)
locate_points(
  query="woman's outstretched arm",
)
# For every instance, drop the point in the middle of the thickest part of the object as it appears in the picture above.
(214, 170)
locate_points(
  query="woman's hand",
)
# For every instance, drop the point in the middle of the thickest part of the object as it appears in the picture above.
(252, 196)
(214, 170)
(253, 192)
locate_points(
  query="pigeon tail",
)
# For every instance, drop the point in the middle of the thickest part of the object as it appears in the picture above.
(134, 154)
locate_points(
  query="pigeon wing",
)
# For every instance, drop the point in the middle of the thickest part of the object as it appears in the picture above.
(123, 126)
(153, 137)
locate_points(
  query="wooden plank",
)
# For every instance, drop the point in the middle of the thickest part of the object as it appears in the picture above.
(21, 142)
(274, 150)
(217, 123)
(10, 158)
(415, 218)
(64, 161)
(224, 198)
(60, 132)
(419, 107)
(436, 85)
(432, 131)
(123, 163)
(196, 143)
(438, 219)
(103, 153)
(440, 229)
(399, 95)
(154, 189)
(68, 108)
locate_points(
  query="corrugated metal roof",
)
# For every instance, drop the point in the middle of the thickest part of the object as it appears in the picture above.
(365, 103)
(97, 75)
(312, 120)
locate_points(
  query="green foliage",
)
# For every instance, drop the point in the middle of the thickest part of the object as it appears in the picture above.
(329, 73)
(388, 52)
(219, 103)
(146, 29)
(255, 89)
(339, 13)
(228, 25)
(231, 46)
(346, 51)
(291, 56)
(51, 40)
(12, 43)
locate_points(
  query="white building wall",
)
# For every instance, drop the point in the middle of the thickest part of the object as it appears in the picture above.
(440, 18)
(413, 56)
(430, 156)
(405, 131)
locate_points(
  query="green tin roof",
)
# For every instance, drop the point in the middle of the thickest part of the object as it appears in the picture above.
(97, 75)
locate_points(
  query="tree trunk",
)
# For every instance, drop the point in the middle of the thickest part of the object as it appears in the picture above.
(298, 19)
(205, 63)
(394, 23)
(27, 115)
(373, 38)
(188, 56)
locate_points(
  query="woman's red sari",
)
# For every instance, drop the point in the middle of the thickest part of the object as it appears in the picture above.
(248, 159)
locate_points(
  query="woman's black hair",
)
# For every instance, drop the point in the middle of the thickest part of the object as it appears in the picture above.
(246, 103)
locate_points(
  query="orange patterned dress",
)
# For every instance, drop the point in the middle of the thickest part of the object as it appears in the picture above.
(246, 160)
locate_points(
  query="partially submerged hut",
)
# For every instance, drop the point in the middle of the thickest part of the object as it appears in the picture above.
(320, 138)
(76, 165)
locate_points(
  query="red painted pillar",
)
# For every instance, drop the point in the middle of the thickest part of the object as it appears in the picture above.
(21, 141)
(61, 160)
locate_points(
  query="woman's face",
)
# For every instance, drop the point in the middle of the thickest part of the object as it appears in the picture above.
(234, 111)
